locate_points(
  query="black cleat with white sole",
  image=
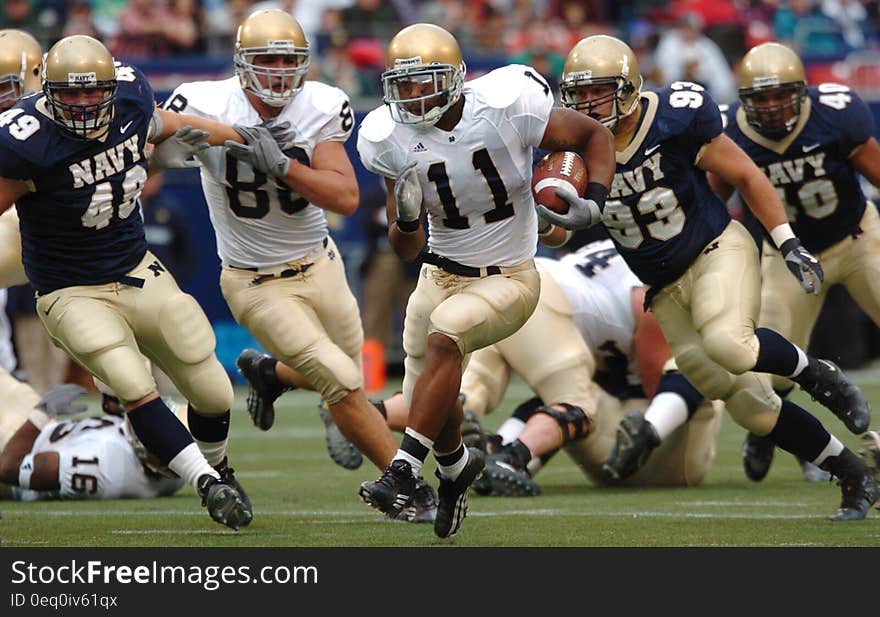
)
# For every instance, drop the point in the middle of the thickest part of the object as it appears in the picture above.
(423, 508)
(453, 495)
(393, 491)
(826, 383)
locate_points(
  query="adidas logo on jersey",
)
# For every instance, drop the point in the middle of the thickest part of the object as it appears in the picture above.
(419, 147)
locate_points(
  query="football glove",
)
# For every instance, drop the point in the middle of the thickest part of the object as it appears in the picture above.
(176, 152)
(408, 194)
(805, 268)
(58, 402)
(261, 151)
(582, 213)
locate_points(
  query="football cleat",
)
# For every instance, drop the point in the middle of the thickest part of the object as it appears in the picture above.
(341, 450)
(223, 502)
(506, 473)
(393, 491)
(472, 433)
(814, 473)
(858, 494)
(826, 383)
(636, 438)
(757, 456)
(264, 387)
(227, 476)
(452, 495)
(423, 508)
(870, 453)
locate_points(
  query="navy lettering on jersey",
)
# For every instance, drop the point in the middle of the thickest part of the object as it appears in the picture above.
(813, 176)
(81, 224)
(661, 212)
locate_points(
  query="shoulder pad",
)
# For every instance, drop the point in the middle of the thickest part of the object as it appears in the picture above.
(501, 87)
(377, 126)
(325, 98)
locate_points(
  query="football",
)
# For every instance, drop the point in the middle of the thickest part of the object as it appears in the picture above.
(554, 170)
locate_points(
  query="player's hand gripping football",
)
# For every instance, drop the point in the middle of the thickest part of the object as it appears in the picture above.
(58, 402)
(582, 213)
(261, 150)
(408, 194)
(805, 268)
(177, 151)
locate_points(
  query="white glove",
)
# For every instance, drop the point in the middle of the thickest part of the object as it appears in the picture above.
(58, 402)
(260, 151)
(582, 213)
(176, 151)
(408, 194)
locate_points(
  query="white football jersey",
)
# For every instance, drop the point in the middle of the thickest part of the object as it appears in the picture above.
(260, 222)
(597, 283)
(96, 461)
(7, 356)
(476, 178)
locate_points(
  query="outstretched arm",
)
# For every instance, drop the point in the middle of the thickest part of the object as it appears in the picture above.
(170, 122)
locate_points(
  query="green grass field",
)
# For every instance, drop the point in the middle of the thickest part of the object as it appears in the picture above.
(302, 499)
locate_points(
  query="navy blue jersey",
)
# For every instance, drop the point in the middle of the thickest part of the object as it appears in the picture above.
(81, 223)
(810, 167)
(661, 212)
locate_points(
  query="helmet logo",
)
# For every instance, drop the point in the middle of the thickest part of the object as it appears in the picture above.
(282, 46)
(76, 79)
(624, 67)
(580, 75)
(407, 62)
(769, 80)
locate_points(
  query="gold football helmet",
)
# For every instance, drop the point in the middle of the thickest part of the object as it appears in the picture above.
(80, 65)
(424, 74)
(271, 32)
(21, 62)
(772, 69)
(598, 60)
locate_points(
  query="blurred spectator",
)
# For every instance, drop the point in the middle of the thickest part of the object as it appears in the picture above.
(337, 69)
(106, 14)
(684, 53)
(19, 14)
(371, 19)
(221, 20)
(308, 13)
(187, 19)
(851, 17)
(148, 28)
(790, 14)
(79, 19)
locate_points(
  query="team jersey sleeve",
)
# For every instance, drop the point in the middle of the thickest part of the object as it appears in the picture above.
(339, 119)
(189, 99)
(854, 118)
(13, 163)
(133, 85)
(374, 146)
(530, 111)
(706, 123)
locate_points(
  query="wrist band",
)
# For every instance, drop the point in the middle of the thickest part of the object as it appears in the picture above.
(597, 192)
(25, 471)
(408, 227)
(780, 234)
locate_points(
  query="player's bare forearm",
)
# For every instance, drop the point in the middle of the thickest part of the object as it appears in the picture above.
(218, 133)
(572, 131)
(329, 183)
(866, 160)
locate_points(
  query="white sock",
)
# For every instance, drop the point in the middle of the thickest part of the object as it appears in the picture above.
(666, 413)
(190, 465)
(213, 451)
(453, 471)
(803, 361)
(510, 430)
(834, 448)
(416, 464)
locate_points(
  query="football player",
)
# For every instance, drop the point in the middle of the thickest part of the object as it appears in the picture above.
(463, 154)
(588, 345)
(21, 63)
(72, 160)
(701, 267)
(86, 458)
(283, 277)
(811, 143)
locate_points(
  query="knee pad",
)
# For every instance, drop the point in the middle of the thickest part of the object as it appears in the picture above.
(573, 421)
(207, 387)
(710, 379)
(753, 404)
(185, 330)
(328, 369)
(527, 409)
(729, 350)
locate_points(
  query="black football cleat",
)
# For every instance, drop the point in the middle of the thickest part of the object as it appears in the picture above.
(227, 476)
(393, 491)
(506, 473)
(826, 383)
(259, 370)
(452, 495)
(223, 502)
(635, 440)
(423, 508)
(341, 450)
(858, 494)
(757, 456)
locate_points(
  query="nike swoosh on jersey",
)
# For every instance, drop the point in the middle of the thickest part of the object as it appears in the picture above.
(650, 150)
(810, 148)
(125, 126)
